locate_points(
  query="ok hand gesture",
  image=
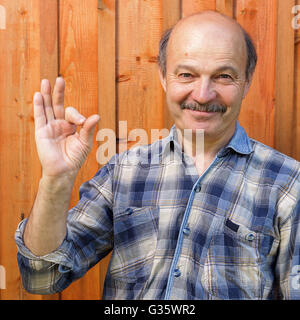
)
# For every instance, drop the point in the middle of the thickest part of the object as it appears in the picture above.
(61, 149)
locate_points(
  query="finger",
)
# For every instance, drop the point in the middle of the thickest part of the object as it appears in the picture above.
(87, 131)
(68, 128)
(73, 116)
(58, 98)
(46, 93)
(38, 111)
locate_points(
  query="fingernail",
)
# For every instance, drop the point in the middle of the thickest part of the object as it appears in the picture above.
(44, 83)
(36, 95)
(81, 120)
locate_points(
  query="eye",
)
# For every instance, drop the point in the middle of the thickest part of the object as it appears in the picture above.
(185, 75)
(225, 76)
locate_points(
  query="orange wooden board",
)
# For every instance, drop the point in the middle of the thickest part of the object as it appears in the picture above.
(296, 112)
(259, 19)
(78, 54)
(20, 169)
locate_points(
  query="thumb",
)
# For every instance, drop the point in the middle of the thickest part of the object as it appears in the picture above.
(87, 131)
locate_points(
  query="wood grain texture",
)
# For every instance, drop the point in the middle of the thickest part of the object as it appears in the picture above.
(296, 137)
(49, 56)
(194, 6)
(226, 7)
(107, 107)
(284, 85)
(259, 19)
(171, 13)
(49, 39)
(19, 170)
(107, 63)
(139, 93)
(79, 66)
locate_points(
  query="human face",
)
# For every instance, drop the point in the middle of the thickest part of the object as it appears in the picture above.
(206, 67)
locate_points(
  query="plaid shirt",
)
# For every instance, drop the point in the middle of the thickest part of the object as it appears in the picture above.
(232, 233)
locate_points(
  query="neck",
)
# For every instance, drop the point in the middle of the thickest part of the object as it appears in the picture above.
(202, 148)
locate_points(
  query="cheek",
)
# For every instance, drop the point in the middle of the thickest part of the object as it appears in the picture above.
(231, 95)
(177, 93)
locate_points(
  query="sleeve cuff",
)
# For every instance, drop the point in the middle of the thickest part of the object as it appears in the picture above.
(62, 255)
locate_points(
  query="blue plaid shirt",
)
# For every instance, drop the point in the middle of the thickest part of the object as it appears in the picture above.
(232, 233)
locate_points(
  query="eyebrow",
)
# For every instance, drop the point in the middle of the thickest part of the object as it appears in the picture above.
(220, 69)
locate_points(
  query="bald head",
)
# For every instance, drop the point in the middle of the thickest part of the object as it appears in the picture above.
(217, 30)
(209, 17)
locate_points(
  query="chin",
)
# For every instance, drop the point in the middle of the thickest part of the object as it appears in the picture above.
(206, 126)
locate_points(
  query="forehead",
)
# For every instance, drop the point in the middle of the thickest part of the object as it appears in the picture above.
(209, 40)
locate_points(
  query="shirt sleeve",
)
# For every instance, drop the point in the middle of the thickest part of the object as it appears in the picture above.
(288, 261)
(89, 238)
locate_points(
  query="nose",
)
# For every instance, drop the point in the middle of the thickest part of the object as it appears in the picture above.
(203, 91)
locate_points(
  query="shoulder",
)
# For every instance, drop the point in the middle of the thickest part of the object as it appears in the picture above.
(266, 153)
(274, 164)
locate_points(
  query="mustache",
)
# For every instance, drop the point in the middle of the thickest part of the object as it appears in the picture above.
(207, 107)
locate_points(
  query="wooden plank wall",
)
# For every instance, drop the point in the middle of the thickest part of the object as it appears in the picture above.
(106, 51)
(296, 86)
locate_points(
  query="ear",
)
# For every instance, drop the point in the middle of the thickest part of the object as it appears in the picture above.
(247, 87)
(162, 80)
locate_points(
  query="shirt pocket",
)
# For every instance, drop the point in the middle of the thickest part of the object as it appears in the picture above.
(232, 266)
(135, 238)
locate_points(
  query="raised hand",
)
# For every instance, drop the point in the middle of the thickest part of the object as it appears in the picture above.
(61, 149)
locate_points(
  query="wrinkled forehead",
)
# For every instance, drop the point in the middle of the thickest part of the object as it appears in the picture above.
(207, 36)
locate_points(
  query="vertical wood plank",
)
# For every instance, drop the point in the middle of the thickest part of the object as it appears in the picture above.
(49, 55)
(171, 13)
(284, 88)
(78, 65)
(257, 112)
(225, 6)
(49, 39)
(140, 97)
(107, 83)
(296, 137)
(107, 63)
(193, 6)
(19, 170)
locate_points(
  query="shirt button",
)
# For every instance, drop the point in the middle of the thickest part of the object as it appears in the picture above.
(129, 211)
(187, 231)
(198, 188)
(177, 273)
(250, 236)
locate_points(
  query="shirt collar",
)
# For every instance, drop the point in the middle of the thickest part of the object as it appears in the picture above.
(240, 142)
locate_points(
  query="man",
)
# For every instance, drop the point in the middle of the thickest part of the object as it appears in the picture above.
(224, 227)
